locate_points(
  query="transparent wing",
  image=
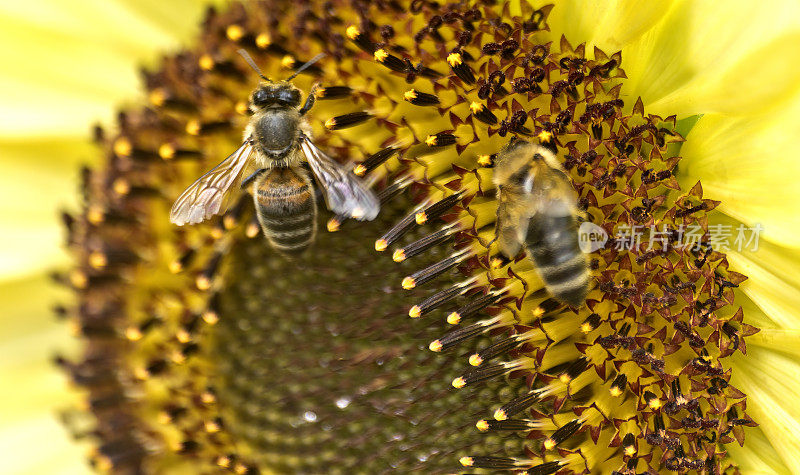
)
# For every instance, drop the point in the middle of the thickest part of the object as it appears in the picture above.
(345, 194)
(509, 231)
(204, 198)
(553, 194)
(548, 192)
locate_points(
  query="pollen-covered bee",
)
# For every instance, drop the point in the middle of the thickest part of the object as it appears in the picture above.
(537, 209)
(277, 142)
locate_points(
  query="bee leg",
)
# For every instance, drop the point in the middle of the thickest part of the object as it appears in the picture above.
(312, 96)
(252, 177)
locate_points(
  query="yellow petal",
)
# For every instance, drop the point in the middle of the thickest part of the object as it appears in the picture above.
(609, 25)
(39, 178)
(73, 63)
(33, 390)
(748, 164)
(759, 81)
(770, 380)
(701, 51)
(757, 457)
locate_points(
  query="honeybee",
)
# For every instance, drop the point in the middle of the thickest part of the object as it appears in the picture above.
(537, 209)
(277, 142)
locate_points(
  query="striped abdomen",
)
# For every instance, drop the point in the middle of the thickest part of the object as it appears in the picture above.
(286, 209)
(552, 243)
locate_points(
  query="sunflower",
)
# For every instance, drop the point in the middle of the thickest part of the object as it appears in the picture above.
(189, 369)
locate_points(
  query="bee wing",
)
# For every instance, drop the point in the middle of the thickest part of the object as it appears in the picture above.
(553, 194)
(509, 230)
(204, 197)
(345, 194)
(547, 192)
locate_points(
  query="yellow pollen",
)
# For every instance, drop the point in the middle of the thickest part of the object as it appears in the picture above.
(263, 40)
(500, 415)
(228, 222)
(476, 107)
(223, 461)
(183, 336)
(454, 318)
(175, 266)
(482, 425)
(408, 283)
(252, 230)
(654, 403)
(537, 312)
(410, 95)
(95, 214)
(288, 61)
(123, 147)
(141, 373)
(177, 357)
(381, 245)
(399, 255)
(133, 334)
(415, 312)
(435, 346)
(454, 59)
(496, 263)
(330, 123)
(208, 398)
(615, 391)
(104, 464)
(74, 328)
(166, 151)
(359, 170)
(431, 140)
(121, 186)
(459, 382)
(203, 282)
(475, 360)
(211, 427)
(164, 417)
(193, 127)
(217, 232)
(241, 108)
(586, 328)
(352, 32)
(333, 225)
(630, 450)
(565, 378)
(234, 32)
(549, 444)
(210, 317)
(78, 279)
(157, 97)
(545, 136)
(421, 217)
(466, 461)
(206, 62)
(380, 55)
(484, 160)
(98, 260)
(240, 468)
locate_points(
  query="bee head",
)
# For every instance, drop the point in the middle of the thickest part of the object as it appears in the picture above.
(275, 94)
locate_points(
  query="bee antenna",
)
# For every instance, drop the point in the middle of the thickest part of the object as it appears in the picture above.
(307, 65)
(252, 63)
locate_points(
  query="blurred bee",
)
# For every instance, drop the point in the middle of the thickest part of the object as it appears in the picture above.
(537, 209)
(277, 143)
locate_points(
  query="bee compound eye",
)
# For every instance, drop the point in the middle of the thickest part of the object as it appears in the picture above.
(290, 97)
(261, 97)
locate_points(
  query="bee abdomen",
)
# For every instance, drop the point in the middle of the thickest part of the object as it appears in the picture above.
(552, 242)
(287, 217)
